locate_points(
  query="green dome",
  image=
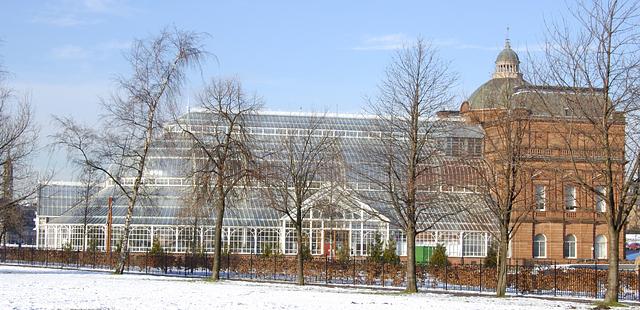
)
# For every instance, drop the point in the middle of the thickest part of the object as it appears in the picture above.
(508, 55)
(494, 93)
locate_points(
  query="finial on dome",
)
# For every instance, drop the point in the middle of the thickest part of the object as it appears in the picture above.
(507, 62)
(507, 42)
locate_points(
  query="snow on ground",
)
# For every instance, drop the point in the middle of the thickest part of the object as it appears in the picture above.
(29, 288)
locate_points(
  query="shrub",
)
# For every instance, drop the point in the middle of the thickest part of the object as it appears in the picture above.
(156, 254)
(492, 257)
(439, 257)
(156, 248)
(267, 250)
(92, 246)
(306, 252)
(389, 255)
(343, 254)
(376, 250)
(67, 248)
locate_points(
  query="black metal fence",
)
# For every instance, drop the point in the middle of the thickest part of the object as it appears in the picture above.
(550, 279)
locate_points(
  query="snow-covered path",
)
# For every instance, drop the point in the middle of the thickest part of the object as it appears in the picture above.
(28, 288)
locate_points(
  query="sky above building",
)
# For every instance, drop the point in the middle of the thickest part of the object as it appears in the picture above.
(297, 55)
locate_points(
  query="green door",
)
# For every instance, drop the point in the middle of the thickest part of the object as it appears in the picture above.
(423, 254)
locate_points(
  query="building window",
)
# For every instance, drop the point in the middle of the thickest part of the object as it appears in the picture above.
(236, 241)
(473, 244)
(166, 236)
(140, 239)
(600, 247)
(600, 201)
(570, 198)
(541, 197)
(539, 246)
(208, 239)
(570, 246)
(268, 241)
(451, 241)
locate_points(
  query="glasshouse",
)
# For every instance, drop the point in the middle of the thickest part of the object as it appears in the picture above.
(337, 217)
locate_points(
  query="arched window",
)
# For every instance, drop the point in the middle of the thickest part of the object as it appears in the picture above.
(600, 247)
(570, 246)
(540, 246)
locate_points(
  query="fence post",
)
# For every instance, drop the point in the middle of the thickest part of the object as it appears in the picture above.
(354, 271)
(555, 278)
(164, 261)
(595, 277)
(146, 265)
(638, 283)
(326, 262)
(251, 264)
(383, 265)
(517, 269)
(446, 276)
(480, 277)
(78, 259)
(228, 264)
(185, 262)
(46, 257)
(275, 261)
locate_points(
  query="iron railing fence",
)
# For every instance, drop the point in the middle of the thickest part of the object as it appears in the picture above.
(588, 281)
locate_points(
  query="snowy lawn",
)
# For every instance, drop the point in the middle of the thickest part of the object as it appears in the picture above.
(28, 288)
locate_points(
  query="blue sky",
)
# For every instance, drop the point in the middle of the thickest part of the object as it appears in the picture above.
(298, 55)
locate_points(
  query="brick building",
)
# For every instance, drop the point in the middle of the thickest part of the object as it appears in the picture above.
(561, 220)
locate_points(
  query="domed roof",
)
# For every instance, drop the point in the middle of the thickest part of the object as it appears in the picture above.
(495, 93)
(507, 55)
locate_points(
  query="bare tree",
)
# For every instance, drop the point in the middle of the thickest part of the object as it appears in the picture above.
(293, 171)
(502, 176)
(90, 182)
(134, 116)
(416, 85)
(222, 149)
(196, 208)
(595, 66)
(18, 136)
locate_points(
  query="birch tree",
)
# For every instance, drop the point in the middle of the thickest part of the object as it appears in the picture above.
(133, 117)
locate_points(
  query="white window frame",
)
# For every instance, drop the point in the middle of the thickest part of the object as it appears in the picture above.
(536, 244)
(570, 246)
(570, 202)
(600, 201)
(600, 247)
(540, 192)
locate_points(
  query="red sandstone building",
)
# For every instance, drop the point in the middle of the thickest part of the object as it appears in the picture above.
(563, 222)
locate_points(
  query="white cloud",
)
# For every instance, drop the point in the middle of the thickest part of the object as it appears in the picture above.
(114, 45)
(68, 13)
(70, 52)
(97, 51)
(383, 42)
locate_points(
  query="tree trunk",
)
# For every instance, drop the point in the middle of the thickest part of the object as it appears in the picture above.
(300, 256)
(217, 247)
(501, 286)
(124, 243)
(612, 279)
(412, 286)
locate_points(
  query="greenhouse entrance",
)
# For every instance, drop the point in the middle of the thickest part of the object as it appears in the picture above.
(335, 241)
